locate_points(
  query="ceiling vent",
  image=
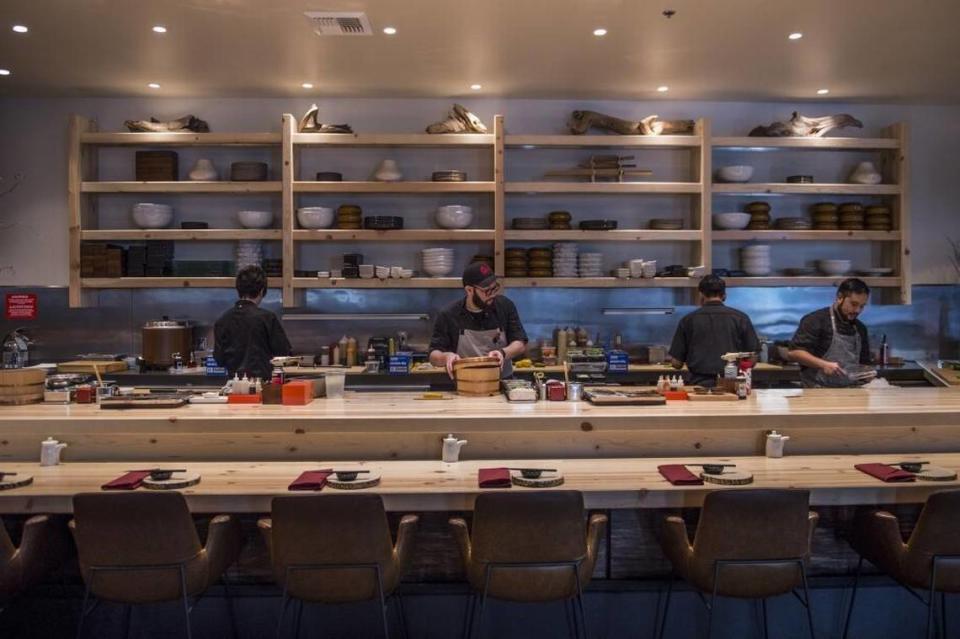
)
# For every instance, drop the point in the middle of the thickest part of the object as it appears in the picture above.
(340, 23)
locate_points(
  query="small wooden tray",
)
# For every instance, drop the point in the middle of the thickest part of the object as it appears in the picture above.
(546, 480)
(364, 480)
(936, 473)
(613, 396)
(712, 397)
(729, 477)
(157, 402)
(19, 480)
(176, 481)
(86, 366)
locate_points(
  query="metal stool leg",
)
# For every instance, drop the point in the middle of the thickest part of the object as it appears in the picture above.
(127, 614)
(383, 604)
(583, 611)
(666, 608)
(931, 598)
(283, 610)
(808, 605)
(186, 603)
(401, 614)
(571, 617)
(483, 602)
(83, 609)
(298, 619)
(853, 598)
(468, 616)
(766, 629)
(230, 611)
(943, 614)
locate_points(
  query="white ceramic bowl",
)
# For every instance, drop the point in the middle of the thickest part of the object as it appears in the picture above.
(454, 216)
(315, 217)
(735, 173)
(255, 219)
(152, 216)
(757, 271)
(731, 221)
(834, 267)
(437, 270)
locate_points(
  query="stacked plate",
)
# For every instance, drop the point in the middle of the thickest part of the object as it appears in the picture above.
(437, 262)
(516, 262)
(834, 268)
(540, 262)
(755, 260)
(348, 216)
(449, 176)
(559, 220)
(529, 224)
(878, 218)
(759, 216)
(248, 171)
(565, 260)
(249, 253)
(851, 216)
(794, 224)
(666, 224)
(825, 216)
(590, 264)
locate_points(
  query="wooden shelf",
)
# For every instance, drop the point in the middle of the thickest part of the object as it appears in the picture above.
(763, 188)
(604, 236)
(393, 187)
(603, 187)
(200, 235)
(599, 282)
(413, 282)
(394, 139)
(819, 236)
(168, 282)
(602, 141)
(180, 187)
(403, 235)
(181, 139)
(833, 144)
(873, 282)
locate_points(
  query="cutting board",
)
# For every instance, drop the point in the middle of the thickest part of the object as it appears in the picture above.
(607, 396)
(712, 397)
(546, 480)
(86, 366)
(156, 402)
(10, 482)
(176, 481)
(365, 480)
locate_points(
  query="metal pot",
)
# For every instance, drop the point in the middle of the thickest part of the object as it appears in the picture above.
(164, 338)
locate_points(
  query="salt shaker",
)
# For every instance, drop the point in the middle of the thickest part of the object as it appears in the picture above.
(775, 442)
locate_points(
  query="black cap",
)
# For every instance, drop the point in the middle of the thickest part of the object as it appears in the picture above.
(479, 274)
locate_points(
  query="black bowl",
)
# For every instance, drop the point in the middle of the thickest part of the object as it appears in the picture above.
(531, 473)
(713, 469)
(912, 467)
(161, 475)
(347, 476)
(329, 176)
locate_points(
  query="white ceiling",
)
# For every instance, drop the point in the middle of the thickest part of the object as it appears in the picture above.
(862, 50)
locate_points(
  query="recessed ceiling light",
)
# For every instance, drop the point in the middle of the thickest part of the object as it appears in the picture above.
(476, 87)
(19, 28)
(796, 35)
(159, 29)
(4, 71)
(663, 88)
(307, 85)
(823, 91)
(153, 85)
(599, 32)
(390, 30)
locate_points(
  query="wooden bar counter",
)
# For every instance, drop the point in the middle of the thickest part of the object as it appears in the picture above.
(388, 426)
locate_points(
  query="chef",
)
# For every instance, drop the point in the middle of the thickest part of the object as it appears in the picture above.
(830, 342)
(481, 324)
(247, 336)
(709, 332)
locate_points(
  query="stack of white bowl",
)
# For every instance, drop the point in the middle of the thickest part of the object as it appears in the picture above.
(591, 264)
(565, 260)
(437, 262)
(755, 260)
(249, 252)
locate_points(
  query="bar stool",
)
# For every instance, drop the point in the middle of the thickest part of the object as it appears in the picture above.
(532, 547)
(749, 544)
(143, 548)
(929, 560)
(336, 549)
(44, 545)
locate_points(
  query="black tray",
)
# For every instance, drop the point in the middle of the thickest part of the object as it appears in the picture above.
(383, 222)
(598, 225)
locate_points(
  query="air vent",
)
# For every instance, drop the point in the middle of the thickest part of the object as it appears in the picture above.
(340, 23)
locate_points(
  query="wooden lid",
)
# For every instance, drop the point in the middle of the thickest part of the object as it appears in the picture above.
(470, 362)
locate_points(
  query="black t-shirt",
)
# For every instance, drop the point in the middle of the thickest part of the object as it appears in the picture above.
(709, 332)
(816, 332)
(246, 337)
(454, 318)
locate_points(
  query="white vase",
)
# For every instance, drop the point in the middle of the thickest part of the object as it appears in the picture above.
(203, 171)
(865, 173)
(388, 171)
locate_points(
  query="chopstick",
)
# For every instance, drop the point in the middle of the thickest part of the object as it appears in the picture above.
(542, 470)
(919, 463)
(157, 470)
(720, 465)
(350, 471)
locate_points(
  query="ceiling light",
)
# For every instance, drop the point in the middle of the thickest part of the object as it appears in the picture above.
(159, 29)
(476, 87)
(823, 91)
(663, 88)
(19, 28)
(599, 32)
(796, 35)
(153, 85)
(307, 85)
(390, 30)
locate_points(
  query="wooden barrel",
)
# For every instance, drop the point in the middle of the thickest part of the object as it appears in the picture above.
(480, 378)
(21, 385)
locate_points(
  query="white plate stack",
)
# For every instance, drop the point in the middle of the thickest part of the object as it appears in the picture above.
(565, 260)
(591, 264)
(437, 262)
(755, 260)
(249, 252)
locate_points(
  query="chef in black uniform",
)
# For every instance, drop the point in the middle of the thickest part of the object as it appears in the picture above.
(709, 332)
(482, 324)
(831, 342)
(247, 336)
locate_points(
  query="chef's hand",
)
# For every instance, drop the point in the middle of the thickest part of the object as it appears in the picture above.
(450, 359)
(832, 368)
(498, 354)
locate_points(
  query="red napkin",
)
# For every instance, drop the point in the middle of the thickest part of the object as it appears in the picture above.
(494, 478)
(679, 475)
(128, 481)
(884, 472)
(311, 480)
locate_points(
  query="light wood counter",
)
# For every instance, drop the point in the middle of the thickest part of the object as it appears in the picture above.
(248, 487)
(398, 426)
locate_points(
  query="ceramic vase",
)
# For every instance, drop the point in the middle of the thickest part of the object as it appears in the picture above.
(865, 173)
(203, 171)
(388, 171)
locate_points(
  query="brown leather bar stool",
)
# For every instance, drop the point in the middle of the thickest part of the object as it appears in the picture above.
(929, 560)
(336, 549)
(44, 545)
(529, 547)
(749, 544)
(143, 548)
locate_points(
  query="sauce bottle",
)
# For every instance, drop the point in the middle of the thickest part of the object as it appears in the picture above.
(351, 352)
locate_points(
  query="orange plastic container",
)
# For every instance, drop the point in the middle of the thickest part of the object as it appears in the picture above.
(297, 393)
(676, 395)
(244, 399)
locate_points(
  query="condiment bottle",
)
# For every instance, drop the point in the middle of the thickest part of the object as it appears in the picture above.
(335, 358)
(325, 356)
(343, 350)
(561, 345)
(351, 352)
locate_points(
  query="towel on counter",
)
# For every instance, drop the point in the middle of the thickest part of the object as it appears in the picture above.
(885, 472)
(494, 478)
(679, 475)
(128, 481)
(311, 480)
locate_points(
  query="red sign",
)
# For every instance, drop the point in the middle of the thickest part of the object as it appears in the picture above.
(21, 306)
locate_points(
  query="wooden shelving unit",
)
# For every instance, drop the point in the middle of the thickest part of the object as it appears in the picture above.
(599, 282)
(603, 141)
(638, 235)
(413, 282)
(180, 139)
(403, 235)
(599, 188)
(806, 236)
(757, 188)
(180, 187)
(197, 235)
(394, 187)
(166, 282)
(823, 144)
(873, 282)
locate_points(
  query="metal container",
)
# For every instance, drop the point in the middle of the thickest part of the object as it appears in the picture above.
(162, 339)
(574, 391)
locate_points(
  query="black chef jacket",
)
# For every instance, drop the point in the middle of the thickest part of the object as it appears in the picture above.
(246, 337)
(707, 333)
(454, 318)
(815, 334)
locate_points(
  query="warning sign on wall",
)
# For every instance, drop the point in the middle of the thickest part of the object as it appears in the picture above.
(21, 306)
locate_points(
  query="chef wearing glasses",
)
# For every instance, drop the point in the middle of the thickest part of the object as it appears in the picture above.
(483, 323)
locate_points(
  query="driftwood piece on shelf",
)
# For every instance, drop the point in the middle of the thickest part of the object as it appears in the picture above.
(803, 127)
(582, 121)
(310, 124)
(603, 167)
(153, 125)
(459, 120)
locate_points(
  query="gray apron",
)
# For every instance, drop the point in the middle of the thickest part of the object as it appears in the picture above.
(479, 343)
(844, 350)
